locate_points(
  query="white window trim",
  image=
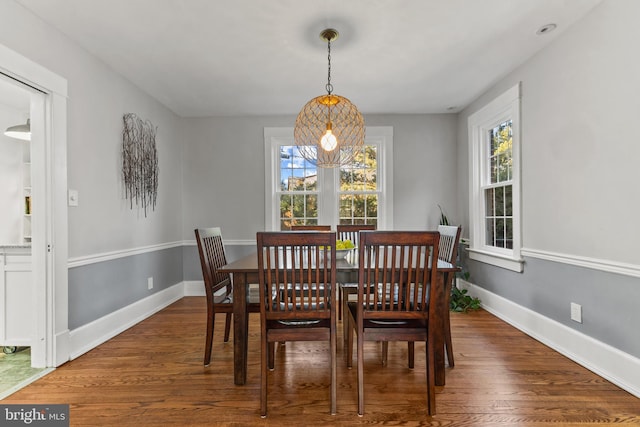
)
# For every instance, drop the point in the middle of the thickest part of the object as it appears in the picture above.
(504, 107)
(274, 137)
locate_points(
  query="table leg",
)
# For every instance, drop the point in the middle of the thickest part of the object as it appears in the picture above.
(240, 328)
(439, 328)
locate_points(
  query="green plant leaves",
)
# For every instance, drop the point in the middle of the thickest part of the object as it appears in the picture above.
(461, 302)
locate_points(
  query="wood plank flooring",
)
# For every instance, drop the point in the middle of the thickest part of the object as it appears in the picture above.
(152, 375)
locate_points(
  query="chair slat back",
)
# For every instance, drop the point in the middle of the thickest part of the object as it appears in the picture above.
(310, 228)
(212, 257)
(449, 240)
(352, 231)
(396, 273)
(297, 272)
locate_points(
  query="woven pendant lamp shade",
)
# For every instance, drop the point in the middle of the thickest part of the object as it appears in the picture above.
(347, 125)
(329, 130)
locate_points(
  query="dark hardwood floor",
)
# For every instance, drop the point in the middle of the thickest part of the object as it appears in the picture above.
(152, 375)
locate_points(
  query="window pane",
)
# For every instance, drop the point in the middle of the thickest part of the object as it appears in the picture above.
(346, 207)
(361, 174)
(296, 173)
(490, 232)
(358, 209)
(500, 154)
(298, 209)
(498, 217)
(509, 233)
(489, 196)
(494, 169)
(372, 207)
(508, 200)
(499, 194)
(499, 233)
(358, 189)
(286, 213)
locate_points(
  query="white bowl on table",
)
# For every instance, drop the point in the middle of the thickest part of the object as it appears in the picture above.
(342, 253)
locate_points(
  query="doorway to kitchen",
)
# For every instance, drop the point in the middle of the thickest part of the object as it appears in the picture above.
(46, 334)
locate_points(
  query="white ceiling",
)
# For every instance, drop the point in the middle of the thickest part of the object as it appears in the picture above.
(248, 57)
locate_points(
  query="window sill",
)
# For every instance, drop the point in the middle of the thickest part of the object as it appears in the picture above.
(501, 261)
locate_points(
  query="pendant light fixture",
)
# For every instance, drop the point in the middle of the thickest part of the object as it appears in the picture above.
(329, 129)
(20, 131)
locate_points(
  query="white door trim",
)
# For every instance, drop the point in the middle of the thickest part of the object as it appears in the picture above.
(49, 222)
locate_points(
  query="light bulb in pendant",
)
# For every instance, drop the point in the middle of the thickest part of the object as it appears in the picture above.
(328, 142)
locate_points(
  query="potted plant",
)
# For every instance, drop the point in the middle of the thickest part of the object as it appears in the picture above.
(459, 301)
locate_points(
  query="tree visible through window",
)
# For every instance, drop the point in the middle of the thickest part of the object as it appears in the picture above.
(359, 189)
(297, 192)
(494, 192)
(499, 190)
(298, 189)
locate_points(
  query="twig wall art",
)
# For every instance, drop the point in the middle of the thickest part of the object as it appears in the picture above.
(139, 162)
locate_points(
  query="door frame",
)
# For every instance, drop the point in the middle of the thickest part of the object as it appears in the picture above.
(49, 251)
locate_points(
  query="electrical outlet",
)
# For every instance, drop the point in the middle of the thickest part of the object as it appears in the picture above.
(150, 283)
(576, 312)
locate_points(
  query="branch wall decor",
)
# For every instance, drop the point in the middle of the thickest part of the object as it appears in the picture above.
(139, 162)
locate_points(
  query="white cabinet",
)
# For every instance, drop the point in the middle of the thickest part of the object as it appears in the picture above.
(17, 318)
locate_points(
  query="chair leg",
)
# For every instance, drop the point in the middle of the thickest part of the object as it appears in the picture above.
(227, 327)
(360, 357)
(385, 352)
(334, 368)
(431, 377)
(447, 325)
(411, 350)
(272, 355)
(208, 343)
(339, 303)
(264, 353)
(349, 349)
(447, 340)
(345, 318)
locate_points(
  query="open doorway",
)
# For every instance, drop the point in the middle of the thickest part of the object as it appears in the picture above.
(44, 326)
(17, 288)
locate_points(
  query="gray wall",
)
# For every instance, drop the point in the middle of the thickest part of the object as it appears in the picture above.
(103, 223)
(224, 171)
(224, 175)
(580, 193)
(98, 289)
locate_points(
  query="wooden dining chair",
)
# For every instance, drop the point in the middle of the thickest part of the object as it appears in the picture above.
(349, 232)
(218, 286)
(449, 242)
(448, 252)
(293, 267)
(310, 227)
(396, 285)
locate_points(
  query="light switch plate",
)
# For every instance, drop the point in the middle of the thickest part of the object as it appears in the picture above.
(73, 197)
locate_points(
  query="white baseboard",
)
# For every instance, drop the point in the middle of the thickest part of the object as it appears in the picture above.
(62, 348)
(194, 288)
(616, 366)
(97, 332)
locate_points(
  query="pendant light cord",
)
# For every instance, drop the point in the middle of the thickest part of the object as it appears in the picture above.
(329, 86)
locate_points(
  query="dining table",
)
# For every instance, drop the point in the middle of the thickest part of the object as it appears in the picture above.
(245, 272)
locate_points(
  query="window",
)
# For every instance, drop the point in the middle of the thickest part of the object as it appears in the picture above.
(297, 192)
(494, 156)
(359, 190)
